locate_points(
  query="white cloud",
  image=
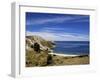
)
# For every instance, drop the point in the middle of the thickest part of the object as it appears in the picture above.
(54, 28)
(45, 35)
(59, 36)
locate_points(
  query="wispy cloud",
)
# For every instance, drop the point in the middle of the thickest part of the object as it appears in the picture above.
(55, 20)
(52, 29)
(60, 36)
(58, 27)
(48, 20)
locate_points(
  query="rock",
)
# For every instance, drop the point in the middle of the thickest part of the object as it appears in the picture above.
(49, 59)
(36, 47)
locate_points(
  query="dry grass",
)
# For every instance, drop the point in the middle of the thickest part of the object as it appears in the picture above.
(45, 59)
(58, 60)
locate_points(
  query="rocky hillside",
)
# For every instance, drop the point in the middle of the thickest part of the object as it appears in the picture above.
(44, 44)
(41, 58)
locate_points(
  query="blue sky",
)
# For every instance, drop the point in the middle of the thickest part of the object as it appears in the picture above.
(58, 27)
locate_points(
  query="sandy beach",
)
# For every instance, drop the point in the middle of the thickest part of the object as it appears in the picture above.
(65, 55)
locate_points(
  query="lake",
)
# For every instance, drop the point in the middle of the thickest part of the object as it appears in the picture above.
(72, 47)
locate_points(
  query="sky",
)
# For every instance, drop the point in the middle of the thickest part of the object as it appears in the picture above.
(58, 27)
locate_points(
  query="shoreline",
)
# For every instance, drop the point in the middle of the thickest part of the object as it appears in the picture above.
(65, 55)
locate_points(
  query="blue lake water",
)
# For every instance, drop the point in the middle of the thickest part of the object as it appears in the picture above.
(72, 47)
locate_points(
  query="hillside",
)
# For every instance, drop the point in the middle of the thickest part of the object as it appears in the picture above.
(42, 42)
(34, 58)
